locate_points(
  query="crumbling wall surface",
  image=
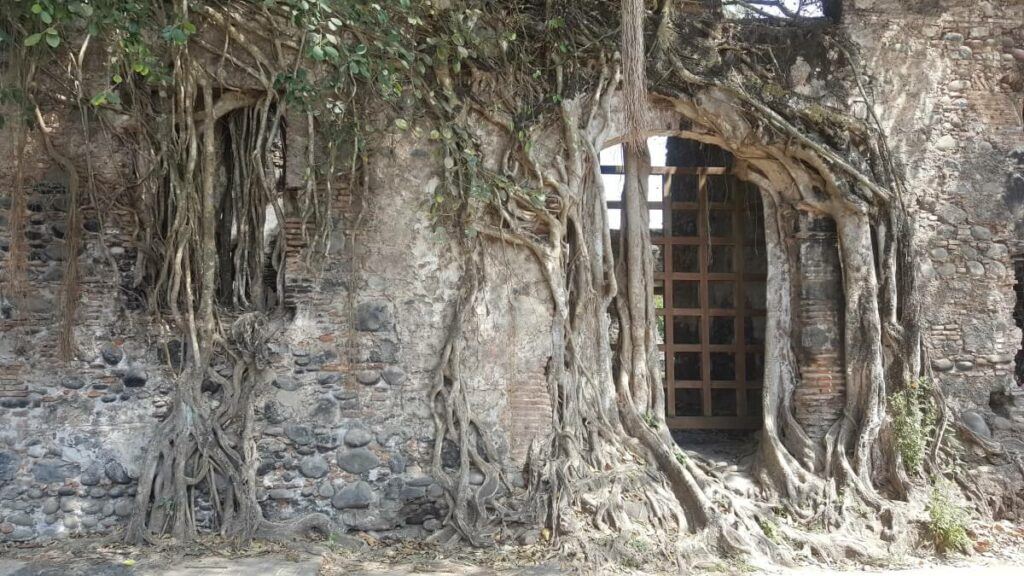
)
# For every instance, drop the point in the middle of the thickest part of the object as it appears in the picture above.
(71, 434)
(947, 88)
(820, 395)
(344, 427)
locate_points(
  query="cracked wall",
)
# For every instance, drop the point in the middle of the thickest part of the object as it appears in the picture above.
(345, 427)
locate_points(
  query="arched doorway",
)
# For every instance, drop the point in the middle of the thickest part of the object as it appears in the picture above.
(707, 229)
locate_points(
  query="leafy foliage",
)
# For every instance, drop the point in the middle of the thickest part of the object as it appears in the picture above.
(947, 519)
(913, 420)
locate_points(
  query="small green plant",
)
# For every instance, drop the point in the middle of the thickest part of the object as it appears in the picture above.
(636, 553)
(947, 519)
(770, 529)
(651, 420)
(913, 418)
(681, 458)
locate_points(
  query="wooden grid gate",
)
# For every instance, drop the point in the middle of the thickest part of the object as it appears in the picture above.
(710, 288)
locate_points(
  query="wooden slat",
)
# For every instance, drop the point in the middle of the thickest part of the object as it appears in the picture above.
(714, 423)
(664, 170)
(737, 277)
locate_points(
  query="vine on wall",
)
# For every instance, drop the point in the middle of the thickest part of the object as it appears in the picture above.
(193, 79)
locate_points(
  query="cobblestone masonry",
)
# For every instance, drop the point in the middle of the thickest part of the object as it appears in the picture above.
(345, 426)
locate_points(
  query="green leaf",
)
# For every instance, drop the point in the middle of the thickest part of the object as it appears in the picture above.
(361, 49)
(37, 8)
(401, 123)
(99, 99)
(189, 28)
(33, 39)
(53, 40)
(45, 17)
(116, 78)
(174, 34)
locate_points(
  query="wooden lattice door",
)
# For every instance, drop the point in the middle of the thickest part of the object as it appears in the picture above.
(707, 228)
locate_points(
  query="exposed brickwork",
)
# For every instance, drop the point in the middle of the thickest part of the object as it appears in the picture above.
(345, 427)
(820, 395)
(530, 408)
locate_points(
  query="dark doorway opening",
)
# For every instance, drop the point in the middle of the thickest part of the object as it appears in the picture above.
(707, 228)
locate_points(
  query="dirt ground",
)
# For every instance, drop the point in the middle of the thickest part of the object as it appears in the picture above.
(999, 550)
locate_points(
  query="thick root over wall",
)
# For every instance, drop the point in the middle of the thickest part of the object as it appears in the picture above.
(611, 465)
(610, 470)
(206, 224)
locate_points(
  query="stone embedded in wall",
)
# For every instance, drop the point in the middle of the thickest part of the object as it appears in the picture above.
(314, 467)
(116, 472)
(976, 423)
(374, 316)
(282, 494)
(393, 375)
(327, 440)
(945, 142)
(9, 464)
(300, 434)
(73, 382)
(357, 460)
(330, 379)
(51, 470)
(357, 438)
(357, 495)
(112, 354)
(368, 377)
(288, 383)
(951, 214)
(274, 413)
(136, 377)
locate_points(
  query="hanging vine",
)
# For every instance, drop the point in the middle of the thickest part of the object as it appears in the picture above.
(552, 79)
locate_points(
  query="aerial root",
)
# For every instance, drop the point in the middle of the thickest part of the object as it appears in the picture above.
(301, 528)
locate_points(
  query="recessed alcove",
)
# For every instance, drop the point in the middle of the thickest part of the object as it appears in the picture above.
(707, 229)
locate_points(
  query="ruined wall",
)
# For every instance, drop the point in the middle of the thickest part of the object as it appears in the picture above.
(819, 396)
(943, 77)
(344, 427)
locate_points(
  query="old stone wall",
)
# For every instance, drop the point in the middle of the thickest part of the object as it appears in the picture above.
(946, 88)
(344, 427)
